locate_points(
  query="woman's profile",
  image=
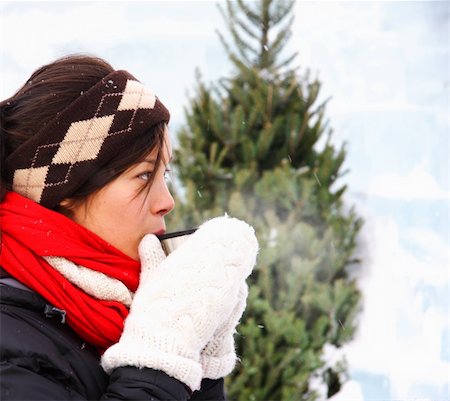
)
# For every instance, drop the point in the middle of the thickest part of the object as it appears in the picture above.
(91, 307)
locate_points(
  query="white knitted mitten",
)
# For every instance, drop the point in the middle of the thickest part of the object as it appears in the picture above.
(181, 303)
(151, 255)
(219, 356)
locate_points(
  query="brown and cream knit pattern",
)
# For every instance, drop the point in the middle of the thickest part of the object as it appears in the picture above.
(85, 136)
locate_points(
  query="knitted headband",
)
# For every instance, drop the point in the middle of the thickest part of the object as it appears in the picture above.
(97, 126)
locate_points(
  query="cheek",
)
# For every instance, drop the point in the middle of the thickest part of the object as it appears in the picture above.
(118, 223)
(124, 212)
(112, 209)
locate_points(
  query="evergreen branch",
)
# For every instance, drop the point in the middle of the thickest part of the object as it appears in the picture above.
(275, 374)
(232, 22)
(266, 138)
(286, 62)
(241, 45)
(282, 37)
(247, 151)
(217, 122)
(232, 56)
(252, 120)
(259, 377)
(246, 72)
(240, 97)
(245, 28)
(236, 124)
(213, 153)
(254, 18)
(223, 153)
(297, 135)
(233, 17)
(290, 91)
(224, 43)
(283, 11)
(269, 103)
(264, 41)
(313, 93)
(237, 383)
(276, 50)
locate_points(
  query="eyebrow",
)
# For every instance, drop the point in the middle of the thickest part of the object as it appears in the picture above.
(153, 161)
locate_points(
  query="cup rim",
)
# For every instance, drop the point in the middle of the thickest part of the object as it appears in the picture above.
(176, 234)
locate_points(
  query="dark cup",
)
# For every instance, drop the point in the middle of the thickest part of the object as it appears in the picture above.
(171, 241)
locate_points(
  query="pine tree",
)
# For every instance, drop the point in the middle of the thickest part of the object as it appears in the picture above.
(250, 148)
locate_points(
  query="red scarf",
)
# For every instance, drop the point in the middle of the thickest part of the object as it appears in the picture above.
(30, 231)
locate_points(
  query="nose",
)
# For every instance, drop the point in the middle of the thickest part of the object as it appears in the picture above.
(164, 202)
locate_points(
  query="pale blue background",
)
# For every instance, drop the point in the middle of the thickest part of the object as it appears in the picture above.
(385, 66)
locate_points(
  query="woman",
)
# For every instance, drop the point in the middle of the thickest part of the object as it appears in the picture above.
(91, 307)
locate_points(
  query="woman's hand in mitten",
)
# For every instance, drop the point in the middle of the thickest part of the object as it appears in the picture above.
(181, 303)
(219, 356)
(151, 255)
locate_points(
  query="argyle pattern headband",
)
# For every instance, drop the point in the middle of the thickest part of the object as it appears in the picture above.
(98, 125)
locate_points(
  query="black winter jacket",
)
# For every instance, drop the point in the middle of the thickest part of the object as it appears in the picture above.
(41, 358)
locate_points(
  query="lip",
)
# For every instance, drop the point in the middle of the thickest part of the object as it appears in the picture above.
(160, 232)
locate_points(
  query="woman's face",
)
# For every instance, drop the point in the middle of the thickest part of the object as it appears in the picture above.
(122, 215)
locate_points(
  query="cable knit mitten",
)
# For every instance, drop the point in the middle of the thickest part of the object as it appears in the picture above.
(219, 356)
(181, 303)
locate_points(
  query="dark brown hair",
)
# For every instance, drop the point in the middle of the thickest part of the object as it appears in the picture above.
(48, 91)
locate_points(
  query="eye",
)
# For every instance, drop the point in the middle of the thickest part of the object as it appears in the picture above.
(167, 174)
(145, 176)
